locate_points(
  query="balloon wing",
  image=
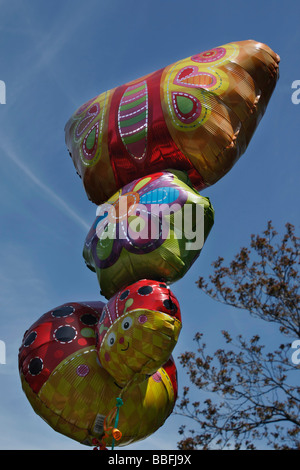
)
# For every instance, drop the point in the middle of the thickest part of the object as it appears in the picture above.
(197, 115)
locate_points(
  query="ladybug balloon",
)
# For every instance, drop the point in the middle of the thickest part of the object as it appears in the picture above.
(65, 384)
(138, 331)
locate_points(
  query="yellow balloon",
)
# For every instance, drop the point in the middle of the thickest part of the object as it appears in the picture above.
(66, 385)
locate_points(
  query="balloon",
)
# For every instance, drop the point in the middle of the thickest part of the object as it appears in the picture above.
(66, 386)
(153, 228)
(196, 115)
(138, 331)
(143, 151)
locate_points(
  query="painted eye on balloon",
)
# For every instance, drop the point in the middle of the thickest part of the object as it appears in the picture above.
(126, 323)
(111, 339)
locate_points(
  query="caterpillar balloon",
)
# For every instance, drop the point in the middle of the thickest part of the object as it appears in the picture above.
(103, 373)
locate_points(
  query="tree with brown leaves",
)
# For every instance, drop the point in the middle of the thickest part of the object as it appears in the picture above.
(249, 397)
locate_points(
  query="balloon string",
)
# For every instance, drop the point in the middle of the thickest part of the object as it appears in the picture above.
(119, 403)
(113, 414)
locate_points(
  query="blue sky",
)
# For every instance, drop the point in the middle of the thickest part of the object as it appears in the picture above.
(56, 55)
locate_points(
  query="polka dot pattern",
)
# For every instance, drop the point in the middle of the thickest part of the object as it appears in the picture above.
(35, 366)
(170, 305)
(145, 290)
(30, 338)
(63, 311)
(59, 354)
(65, 334)
(144, 294)
(82, 370)
(124, 294)
(88, 319)
(55, 336)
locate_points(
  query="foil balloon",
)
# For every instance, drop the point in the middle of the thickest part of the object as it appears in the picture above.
(197, 115)
(154, 227)
(143, 151)
(65, 384)
(138, 330)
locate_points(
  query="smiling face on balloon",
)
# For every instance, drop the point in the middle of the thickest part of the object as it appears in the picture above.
(137, 342)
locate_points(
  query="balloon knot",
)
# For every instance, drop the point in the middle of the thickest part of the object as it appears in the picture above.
(119, 402)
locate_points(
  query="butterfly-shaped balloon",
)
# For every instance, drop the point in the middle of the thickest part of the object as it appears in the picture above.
(197, 115)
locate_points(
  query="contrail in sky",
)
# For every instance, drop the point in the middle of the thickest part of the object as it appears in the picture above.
(52, 195)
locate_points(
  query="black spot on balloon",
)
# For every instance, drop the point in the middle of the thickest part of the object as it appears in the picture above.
(63, 311)
(35, 366)
(162, 285)
(89, 319)
(145, 290)
(124, 294)
(170, 305)
(30, 338)
(65, 334)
